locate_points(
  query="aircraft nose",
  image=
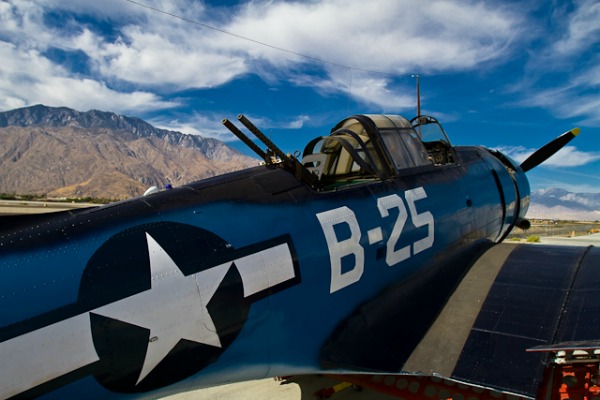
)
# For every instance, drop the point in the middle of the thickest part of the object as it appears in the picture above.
(513, 188)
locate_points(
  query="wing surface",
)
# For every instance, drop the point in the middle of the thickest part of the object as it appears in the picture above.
(514, 298)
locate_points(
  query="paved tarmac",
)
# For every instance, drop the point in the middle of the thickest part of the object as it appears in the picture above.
(265, 389)
(14, 207)
(585, 240)
(300, 388)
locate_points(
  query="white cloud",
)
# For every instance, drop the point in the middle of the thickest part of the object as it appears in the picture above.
(576, 99)
(152, 51)
(154, 59)
(299, 122)
(405, 38)
(366, 88)
(582, 28)
(208, 126)
(568, 156)
(567, 68)
(590, 77)
(568, 179)
(158, 51)
(30, 78)
(189, 56)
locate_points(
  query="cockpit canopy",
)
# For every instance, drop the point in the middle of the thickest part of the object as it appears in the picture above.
(367, 147)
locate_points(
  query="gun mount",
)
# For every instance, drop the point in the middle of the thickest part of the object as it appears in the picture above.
(273, 154)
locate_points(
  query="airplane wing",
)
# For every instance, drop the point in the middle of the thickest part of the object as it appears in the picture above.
(514, 298)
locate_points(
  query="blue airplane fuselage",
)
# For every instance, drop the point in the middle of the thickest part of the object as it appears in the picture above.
(238, 277)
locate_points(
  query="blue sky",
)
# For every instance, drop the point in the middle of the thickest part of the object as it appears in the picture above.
(510, 75)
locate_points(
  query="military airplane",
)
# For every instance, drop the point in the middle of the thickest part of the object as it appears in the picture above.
(362, 258)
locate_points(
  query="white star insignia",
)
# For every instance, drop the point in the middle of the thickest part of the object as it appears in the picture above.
(174, 308)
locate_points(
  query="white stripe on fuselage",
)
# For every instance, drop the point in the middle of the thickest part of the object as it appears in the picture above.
(48, 353)
(45, 354)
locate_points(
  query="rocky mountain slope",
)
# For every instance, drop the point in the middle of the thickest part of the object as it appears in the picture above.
(560, 204)
(61, 152)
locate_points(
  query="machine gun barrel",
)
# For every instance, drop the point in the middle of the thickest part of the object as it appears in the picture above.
(263, 138)
(300, 171)
(244, 139)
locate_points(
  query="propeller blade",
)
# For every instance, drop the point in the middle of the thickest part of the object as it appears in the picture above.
(548, 150)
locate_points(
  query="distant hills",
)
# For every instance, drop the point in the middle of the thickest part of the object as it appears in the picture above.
(560, 204)
(62, 152)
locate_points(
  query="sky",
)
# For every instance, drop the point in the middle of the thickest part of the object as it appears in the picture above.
(509, 75)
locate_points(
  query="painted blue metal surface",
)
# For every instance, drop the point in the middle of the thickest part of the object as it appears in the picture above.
(353, 258)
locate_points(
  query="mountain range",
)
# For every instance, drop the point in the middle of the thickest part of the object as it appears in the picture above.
(61, 152)
(560, 204)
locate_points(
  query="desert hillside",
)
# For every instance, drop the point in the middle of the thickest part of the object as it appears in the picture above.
(61, 152)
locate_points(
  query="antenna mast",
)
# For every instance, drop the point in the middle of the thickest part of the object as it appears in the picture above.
(418, 95)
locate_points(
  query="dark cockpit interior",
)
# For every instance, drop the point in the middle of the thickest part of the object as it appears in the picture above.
(368, 147)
